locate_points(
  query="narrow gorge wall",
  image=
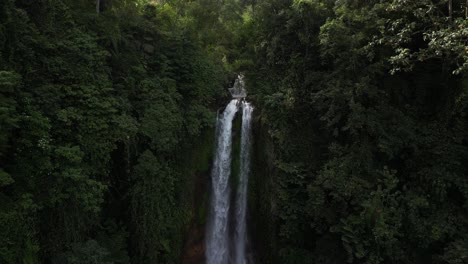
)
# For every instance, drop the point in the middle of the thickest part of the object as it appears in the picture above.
(262, 203)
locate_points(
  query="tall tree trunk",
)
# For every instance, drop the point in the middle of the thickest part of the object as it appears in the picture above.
(98, 6)
(450, 8)
(466, 9)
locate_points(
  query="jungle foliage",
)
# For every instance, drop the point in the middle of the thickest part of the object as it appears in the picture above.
(365, 103)
(96, 109)
(361, 106)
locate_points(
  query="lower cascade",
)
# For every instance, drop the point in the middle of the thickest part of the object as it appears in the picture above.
(221, 248)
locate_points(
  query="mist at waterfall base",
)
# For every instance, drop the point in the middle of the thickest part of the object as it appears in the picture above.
(221, 246)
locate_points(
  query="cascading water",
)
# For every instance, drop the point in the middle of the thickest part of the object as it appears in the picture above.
(240, 239)
(217, 243)
(218, 240)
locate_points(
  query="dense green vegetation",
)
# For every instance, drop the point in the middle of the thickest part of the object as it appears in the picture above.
(361, 145)
(96, 111)
(365, 103)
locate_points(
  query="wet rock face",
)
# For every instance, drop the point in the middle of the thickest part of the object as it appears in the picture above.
(200, 160)
(194, 252)
(238, 90)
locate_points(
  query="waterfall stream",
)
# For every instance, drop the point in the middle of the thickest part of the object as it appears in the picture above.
(240, 239)
(218, 240)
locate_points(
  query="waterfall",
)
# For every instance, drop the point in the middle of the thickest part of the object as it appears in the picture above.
(240, 239)
(217, 242)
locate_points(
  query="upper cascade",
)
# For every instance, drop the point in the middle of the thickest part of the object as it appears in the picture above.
(238, 90)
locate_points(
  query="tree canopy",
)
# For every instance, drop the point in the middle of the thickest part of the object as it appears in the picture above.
(108, 107)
